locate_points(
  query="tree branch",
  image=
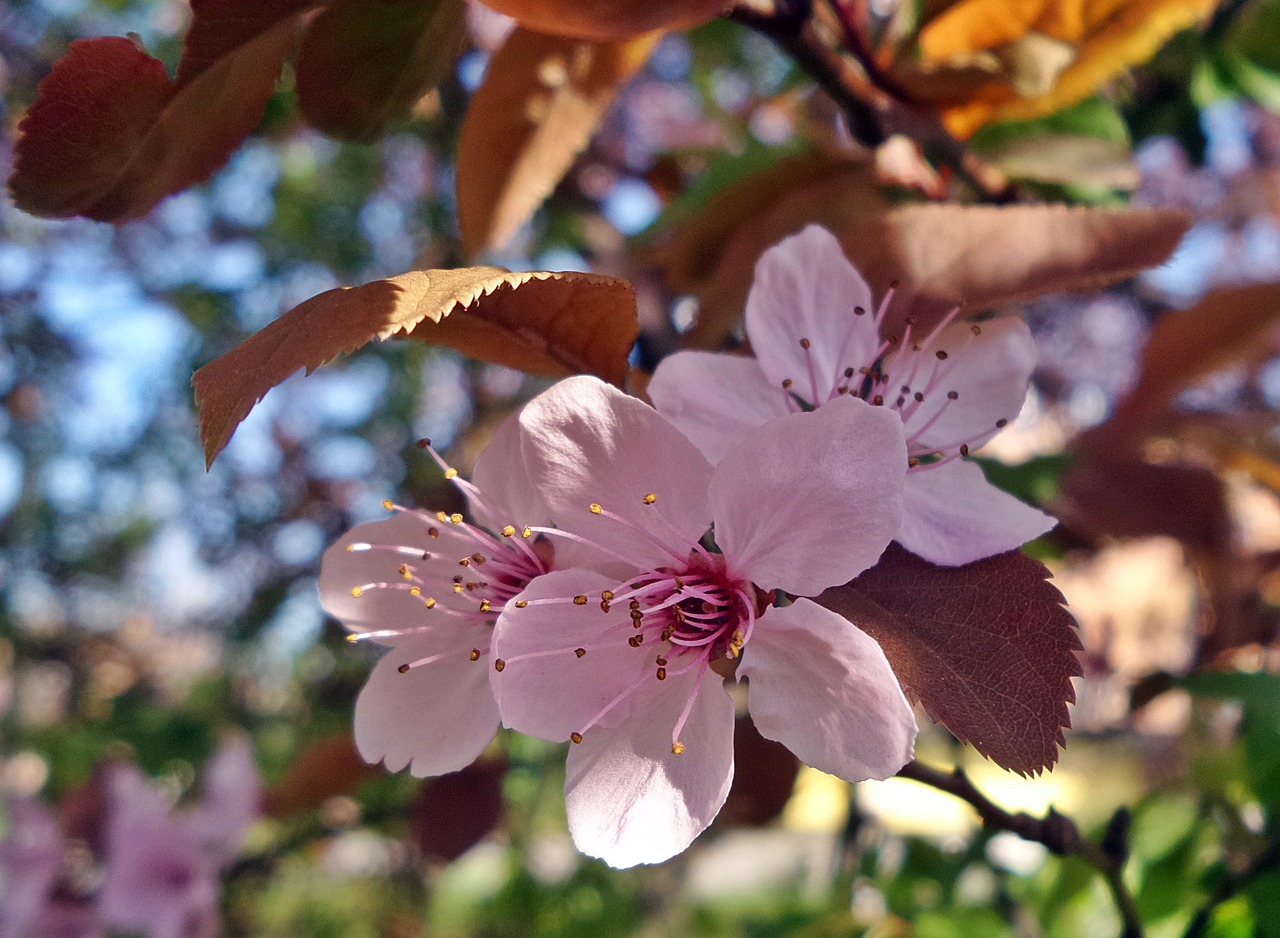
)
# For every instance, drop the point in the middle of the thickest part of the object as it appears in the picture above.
(1264, 863)
(1057, 832)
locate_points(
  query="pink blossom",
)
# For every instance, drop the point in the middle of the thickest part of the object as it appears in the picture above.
(430, 585)
(623, 653)
(30, 858)
(818, 337)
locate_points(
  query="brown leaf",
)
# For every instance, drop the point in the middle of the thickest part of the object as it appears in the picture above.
(542, 99)
(327, 767)
(1227, 326)
(110, 134)
(605, 20)
(941, 255)
(363, 64)
(452, 813)
(987, 648)
(764, 773)
(542, 323)
(1118, 495)
(1071, 159)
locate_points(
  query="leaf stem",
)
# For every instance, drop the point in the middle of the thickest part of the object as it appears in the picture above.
(1058, 832)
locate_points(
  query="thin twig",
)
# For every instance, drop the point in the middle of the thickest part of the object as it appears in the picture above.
(1263, 863)
(1058, 832)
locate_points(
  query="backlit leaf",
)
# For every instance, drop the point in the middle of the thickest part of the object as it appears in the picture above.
(541, 323)
(365, 63)
(452, 813)
(987, 648)
(327, 767)
(111, 135)
(542, 99)
(608, 19)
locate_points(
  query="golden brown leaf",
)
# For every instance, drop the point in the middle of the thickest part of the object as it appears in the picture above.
(608, 19)
(543, 323)
(542, 98)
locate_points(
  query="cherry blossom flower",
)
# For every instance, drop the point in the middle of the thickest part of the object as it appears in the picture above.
(30, 858)
(624, 653)
(430, 585)
(818, 337)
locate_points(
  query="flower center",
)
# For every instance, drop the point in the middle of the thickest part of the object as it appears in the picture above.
(906, 373)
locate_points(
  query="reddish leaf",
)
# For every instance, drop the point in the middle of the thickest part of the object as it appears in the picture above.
(764, 774)
(608, 19)
(542, 323)
(541, 101)
(327, 767)
(987, 648)
(365, 63)
(1120, 496)
(110, 134)
(452, 813)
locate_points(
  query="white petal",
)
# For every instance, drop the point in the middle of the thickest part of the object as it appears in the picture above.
(632, 800)
(823, 688)
(435, 718)
(715, 399)
(588, 443)
(553, 695)
(805, 288)
(811, 500)
(952, 515)
(507, 493)
(989, 373)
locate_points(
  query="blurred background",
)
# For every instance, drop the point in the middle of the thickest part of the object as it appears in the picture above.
(148, 607)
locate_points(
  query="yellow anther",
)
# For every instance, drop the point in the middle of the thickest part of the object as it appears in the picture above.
(650, 498)
(527, 532)
(677, 747)
(458, 588)
(388, 504)
(499, 664)
(351, 548)
(405, 571)
(521, 603)
(475, 654)
(579, 652)
(353, 639)
(606, 595)
(357, 591)
(575, 737)
(635, 640)
(485, 605)
(662, 674)
(509, 531)
(579, 600)
(596, 509)
(441, 516)
(403, 669)
(415, 591)
(479, 558)
(450, 473)
(455, 518)
(431, 602)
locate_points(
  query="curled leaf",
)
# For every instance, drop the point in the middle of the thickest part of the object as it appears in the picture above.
(987, 648)
(608, 19)
(538, 322)
(542, 98)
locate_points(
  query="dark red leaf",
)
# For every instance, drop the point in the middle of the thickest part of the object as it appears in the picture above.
(988, 648)
(454, 812)
(328, 767)
(764, 773)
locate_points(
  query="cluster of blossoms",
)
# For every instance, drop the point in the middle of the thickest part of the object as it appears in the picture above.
(132, 865)
(625, 562)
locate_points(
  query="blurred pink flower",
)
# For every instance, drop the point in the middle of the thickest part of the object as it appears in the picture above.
(163, 866)
(30, 859)
(430, 585)
(817, 338)
(623, 651)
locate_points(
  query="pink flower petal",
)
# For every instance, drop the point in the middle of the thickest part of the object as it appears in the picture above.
(556, 692)
(630, 799)
(436, 717)
(989, 373)
(499, 474)
(952, 515)
(811, 500)
(588, 443)
(30, 858)
(805, 288)
(715, 399)
(823, 688)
